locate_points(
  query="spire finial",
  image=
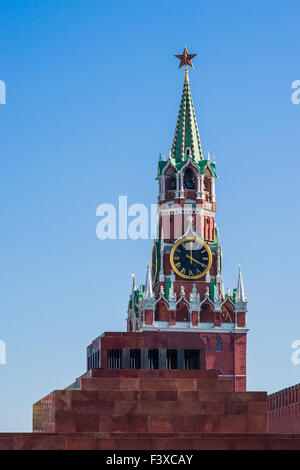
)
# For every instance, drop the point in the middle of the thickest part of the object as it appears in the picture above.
(148, 293)
(133, 281)
(222, 290)
(186, 133)
(185, 59)
(240, 290)
(186, 74)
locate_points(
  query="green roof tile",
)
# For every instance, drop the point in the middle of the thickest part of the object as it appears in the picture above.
(186, 132)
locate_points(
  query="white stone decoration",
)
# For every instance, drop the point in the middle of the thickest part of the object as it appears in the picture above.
(217, 300)
(148, 293)
(222, 290)
(172, 294)
(195, 299)
(194, 295)
(240, 298)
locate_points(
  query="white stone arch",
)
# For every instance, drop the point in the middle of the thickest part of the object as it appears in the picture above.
(191, 163)
(161, 300)
(208, 171)
(167, 166)
(226, 300)
(207, 300)
(229, 301)
(182, 300)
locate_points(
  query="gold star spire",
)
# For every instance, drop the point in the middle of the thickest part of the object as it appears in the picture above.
(186, 132)
(185, 60)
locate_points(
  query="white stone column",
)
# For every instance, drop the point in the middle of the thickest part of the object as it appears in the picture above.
(213, 193)
(202, 187)
(177, 185)
(162, 187)
(181, 186)
(198, 186)
(161, 272)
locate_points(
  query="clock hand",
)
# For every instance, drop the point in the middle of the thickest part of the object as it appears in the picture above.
(193, 259)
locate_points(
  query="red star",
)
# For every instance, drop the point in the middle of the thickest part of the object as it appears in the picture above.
(185, 58)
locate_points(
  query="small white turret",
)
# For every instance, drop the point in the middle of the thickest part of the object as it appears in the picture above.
(240, 291)
(222, 290)
(148, 293)
(194, 295)
(172, 294)
(133, 283)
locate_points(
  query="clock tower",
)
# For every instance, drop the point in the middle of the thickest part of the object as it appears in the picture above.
(178, 374)
(184, 291)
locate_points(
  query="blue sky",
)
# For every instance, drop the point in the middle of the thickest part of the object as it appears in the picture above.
(93, 92)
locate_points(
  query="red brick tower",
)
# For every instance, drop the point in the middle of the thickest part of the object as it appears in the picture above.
(181, 318)
(180, 369)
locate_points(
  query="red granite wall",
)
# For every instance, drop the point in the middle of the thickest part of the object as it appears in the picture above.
(149, 441)
(284, 410)
(140, 401)
(230, 361)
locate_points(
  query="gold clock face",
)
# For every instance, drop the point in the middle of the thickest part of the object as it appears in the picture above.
(154, 262)
(190, 258)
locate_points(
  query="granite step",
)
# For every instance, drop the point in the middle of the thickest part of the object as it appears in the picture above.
(156, 384)
(149, 441)
(155, 373)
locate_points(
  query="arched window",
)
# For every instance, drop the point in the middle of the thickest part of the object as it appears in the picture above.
(207, 184)
(228, 313)
(161, 312)
(219, 345)
(182, 312)
(172, 182)
(170, 179)
(206, 313)
(189, 179)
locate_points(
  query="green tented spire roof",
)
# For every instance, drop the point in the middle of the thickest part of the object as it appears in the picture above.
(186, 133)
